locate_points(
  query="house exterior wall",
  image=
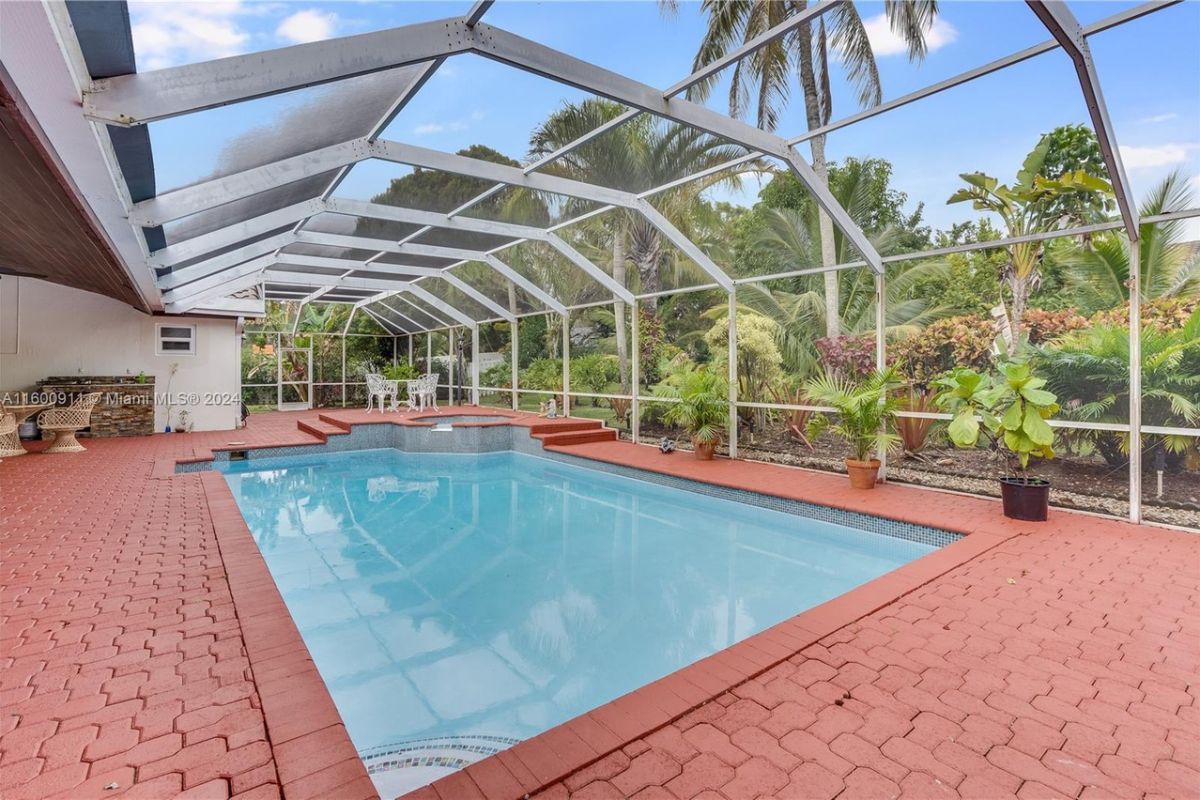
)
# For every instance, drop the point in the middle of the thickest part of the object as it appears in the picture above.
(60, 331)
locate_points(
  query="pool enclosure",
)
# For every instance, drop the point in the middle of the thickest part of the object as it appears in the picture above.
(272, 224)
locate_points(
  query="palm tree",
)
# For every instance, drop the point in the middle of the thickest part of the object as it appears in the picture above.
(1098, 276)
(1030, 205)
(767, 73)
(800, 312)
(636, 156)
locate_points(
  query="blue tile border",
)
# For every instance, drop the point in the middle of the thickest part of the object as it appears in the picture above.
(499, 438)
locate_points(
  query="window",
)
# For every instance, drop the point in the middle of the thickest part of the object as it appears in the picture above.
(176, 340)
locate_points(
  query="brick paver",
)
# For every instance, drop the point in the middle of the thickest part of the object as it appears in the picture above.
(143, 654)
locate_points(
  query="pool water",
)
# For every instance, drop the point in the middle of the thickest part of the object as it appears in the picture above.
(455, 604)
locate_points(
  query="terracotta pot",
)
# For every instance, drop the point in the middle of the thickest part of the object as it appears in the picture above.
(704, 451)
(1025, 498)
(863, 474)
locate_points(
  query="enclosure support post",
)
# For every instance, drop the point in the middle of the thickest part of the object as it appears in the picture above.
(410, 349)
(733, 387)
(1135, 382)
(881, 352)
(566, 359)
(344, 381)
(635, 377)
(475, 365)
(429, 352)
(395, 350)
(450, 351)
(514, 356)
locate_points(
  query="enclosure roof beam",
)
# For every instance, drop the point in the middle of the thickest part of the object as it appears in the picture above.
(360, 208)
(1066, 30)
(159, 94)
(219, 280)
(388, 326)
(594, 272)
(476, 12)
(442, 322)
(280, 274)
(478, 296)
(402, 315)
(699, 75)
(686, 245)
(575, 257)
(1107, 23)
(232, 234)
(219, 191)
(350, 265)
(539, 59)
(440, 305)
(216, 264)
(416, 156)
(188, 303)
(532, 289)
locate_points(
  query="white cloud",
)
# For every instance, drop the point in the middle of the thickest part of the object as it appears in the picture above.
(451, 126)
(1157, 118)
(884, 42)
(165, 34)
(309, 25)
(1162, 155)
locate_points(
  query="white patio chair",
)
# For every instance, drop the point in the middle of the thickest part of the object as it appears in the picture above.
(429, 391)
(64, 423)
(413, 389)
(380, 388)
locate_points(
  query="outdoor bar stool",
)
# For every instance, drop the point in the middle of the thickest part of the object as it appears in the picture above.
(64, 423)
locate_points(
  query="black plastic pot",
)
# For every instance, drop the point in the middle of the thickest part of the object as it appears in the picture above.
(1025, 498)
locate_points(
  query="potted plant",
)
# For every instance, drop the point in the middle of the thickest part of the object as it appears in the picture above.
(865, 408)
(1010, 410)
(701, 408)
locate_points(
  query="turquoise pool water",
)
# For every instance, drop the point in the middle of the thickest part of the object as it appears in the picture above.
(457, 603)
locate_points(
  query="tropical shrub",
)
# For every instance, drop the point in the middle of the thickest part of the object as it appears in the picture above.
(945, 345)
(914, 431)
(594, 373)
(795, 419)
(702, 407)
(499, 376)
(852, 356)
(543, 374)
(865, 406)
(1089, 370)
(1163, 314)
(1010, 411)
(759, 363)
(1042, 326)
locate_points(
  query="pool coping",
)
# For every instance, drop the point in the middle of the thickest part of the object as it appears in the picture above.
(313, 752)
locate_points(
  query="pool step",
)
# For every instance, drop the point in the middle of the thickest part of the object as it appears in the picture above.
(567, 438)
(563, 425)
(321, 428)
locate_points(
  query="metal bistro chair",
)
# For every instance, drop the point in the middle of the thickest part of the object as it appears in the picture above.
(429, 391)
(380, 388)
(64, 423)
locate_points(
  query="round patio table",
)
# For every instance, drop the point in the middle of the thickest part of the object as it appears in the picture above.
(10, 443)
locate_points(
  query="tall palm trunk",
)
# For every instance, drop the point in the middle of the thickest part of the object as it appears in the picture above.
(618, 271)
(816, 117)
(646, 253)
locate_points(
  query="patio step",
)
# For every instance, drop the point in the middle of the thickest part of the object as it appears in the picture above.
(563, 425)
(321, 428)
(567, 438)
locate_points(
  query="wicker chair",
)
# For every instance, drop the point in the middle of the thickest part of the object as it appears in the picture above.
(10, 443)
(65, 422)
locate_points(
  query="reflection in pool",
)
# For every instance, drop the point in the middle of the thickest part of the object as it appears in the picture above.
(457, 603)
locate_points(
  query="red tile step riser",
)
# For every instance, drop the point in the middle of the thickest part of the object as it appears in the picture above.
(577, 437)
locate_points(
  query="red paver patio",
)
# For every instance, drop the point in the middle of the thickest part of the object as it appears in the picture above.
(144, 647)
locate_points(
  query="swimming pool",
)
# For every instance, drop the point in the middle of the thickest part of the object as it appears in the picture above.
(455, 604)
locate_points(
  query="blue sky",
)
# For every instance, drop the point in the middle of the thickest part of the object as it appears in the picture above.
(1150, 69)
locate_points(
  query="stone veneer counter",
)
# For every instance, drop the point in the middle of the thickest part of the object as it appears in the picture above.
(126, 407)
